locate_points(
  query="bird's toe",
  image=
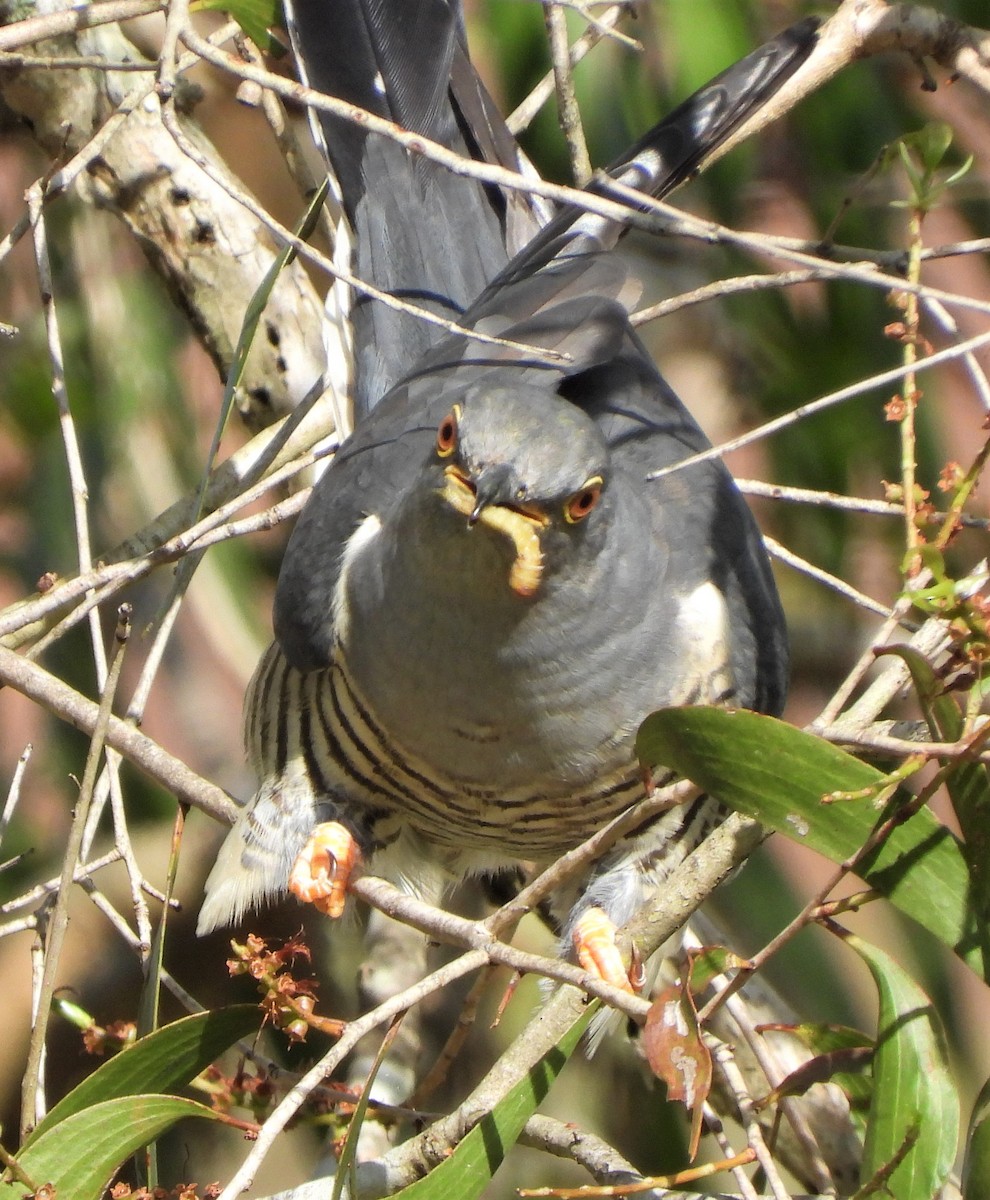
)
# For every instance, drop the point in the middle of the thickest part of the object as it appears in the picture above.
(324, 868)
(596, 950)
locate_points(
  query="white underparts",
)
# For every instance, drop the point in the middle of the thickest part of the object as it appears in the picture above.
(357, 543)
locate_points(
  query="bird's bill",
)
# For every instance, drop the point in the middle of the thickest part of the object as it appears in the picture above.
(522, 528)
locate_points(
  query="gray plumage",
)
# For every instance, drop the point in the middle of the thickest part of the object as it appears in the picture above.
(419, 232)
(450, 719)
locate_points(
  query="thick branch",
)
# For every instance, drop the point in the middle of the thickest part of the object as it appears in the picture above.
(210, 251)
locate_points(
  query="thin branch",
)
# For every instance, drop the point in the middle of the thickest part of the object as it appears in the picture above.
(521, 118)
(314, 1077)
(237, 193)
(211, 528)
(948, 324)
(641, 211)
(66, 703)
(14, 791)
(721, 288)
(58, 921)
(565, 1140)
(567, 106)
(854, 504)
(66, 21)
(57, 62)
(851, 266)
(883, 746)
(724, 1062)
(820, 405)
(42, 891)
(820, 575)
(931, 641)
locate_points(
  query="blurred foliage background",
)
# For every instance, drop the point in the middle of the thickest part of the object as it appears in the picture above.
(145, 399)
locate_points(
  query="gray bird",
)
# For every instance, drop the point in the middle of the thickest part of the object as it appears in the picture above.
(487, 593)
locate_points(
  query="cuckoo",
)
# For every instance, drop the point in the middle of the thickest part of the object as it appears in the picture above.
(489, 590)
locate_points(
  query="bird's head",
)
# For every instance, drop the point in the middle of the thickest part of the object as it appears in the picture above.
(525, 465)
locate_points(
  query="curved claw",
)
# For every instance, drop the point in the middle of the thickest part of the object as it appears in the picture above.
(324, 867)
(594, 944)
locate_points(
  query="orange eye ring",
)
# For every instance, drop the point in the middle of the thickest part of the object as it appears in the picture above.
(583, 501)
(447, 433)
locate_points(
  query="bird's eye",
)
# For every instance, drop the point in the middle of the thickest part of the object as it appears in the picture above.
(447, 433)
(583, 501)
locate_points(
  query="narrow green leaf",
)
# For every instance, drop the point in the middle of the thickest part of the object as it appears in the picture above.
(81, 1154)
(469, 1170)
(960, 172)
(346, 1175)
(968, 783)
(976, 1168)
(914, 1097)
(778, 774)
(149, 1006)
(166, 1059)
(249, 327)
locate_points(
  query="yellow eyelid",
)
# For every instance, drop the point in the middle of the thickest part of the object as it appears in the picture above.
(454, 415)
(594, 484)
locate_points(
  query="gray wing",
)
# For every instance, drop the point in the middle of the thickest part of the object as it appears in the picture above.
(560, 293)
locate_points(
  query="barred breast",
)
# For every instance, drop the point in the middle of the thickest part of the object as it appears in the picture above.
(318, 723)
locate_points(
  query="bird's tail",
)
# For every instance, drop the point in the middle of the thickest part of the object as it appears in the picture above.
(253, 864)
(419, 232)
(440, 240)
(674, 149)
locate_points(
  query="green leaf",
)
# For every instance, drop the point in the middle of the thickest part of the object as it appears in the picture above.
(968, 783)
(960, 172)
(346, 1174)
(80, 1155)
(933, 141)
(823, 1038)
(842, 1055)
(914, 1114)
(976, 1168)
(165, 1059)
(249, 327)
(779, 774)
(709, 962)
(255, 17)
(469, 1170)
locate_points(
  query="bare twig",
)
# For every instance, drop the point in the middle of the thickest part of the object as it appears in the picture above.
(14, 791)
(66, 21)
(724, 1062)
(32, 1087)
(520, 119)
(854, 504)
(567, 106)
(832, 582)
(58, 698)
(819, 405)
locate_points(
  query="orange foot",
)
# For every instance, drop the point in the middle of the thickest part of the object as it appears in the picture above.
(594, 943)
(324, 867)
